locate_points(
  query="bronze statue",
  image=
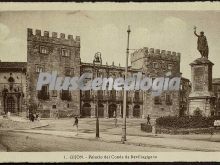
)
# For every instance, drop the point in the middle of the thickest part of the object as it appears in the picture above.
(202, 44)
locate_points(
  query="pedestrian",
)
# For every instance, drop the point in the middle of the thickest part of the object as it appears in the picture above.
(76, 124)
(34, 116)
(8, 114)
(37, 117)
(148, 119)
(31, 117)
(116, 120)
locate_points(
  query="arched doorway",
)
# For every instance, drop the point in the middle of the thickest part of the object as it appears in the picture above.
(101, 110)
(112, 110)
(86, 110)
(182, 111)
(136, 111)
(10, 105)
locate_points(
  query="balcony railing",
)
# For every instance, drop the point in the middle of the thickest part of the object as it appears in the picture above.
(43, 96)
(66, 96)
(137, 100)
(112, 97)
(168, 102)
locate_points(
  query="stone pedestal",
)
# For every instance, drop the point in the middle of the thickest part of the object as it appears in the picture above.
(201, 98)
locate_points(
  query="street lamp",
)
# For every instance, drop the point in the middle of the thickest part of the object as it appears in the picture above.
(97, 62)
(123, 139)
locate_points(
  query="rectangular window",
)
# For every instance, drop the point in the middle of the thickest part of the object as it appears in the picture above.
(157, 100)
(54, 93)
(170, 66)
(65, 52)
(67, 72)
(87, 94)
(43, 50)
(136, 95)
(155, 65)
(168, 99)
(113, 94)
(43, 94)
(66, 95)
(39, 68)
(100, 94)
(54, 106)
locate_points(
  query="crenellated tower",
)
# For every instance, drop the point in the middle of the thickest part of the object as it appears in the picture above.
(157, 63)
(47, 53)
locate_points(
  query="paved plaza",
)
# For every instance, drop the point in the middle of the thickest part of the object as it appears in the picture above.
(61, 130)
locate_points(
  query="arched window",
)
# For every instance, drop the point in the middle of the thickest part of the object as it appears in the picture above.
(11, 79)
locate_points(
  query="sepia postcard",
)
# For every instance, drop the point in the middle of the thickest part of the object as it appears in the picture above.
(109, 82)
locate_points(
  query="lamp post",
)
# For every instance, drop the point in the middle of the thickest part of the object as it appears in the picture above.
(96, 63)
(123, 139)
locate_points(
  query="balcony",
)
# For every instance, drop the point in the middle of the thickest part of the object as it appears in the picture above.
(66, 95)
(43, 96)
(138, 100)
(119, 98)
(87, 97)
(168, 102)
(157, 100)
(112, 98)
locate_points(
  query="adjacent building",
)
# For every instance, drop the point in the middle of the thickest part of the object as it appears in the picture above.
(13, 95)
(216, 91)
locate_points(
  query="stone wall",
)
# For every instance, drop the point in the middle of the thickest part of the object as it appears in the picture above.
(52, 60)
(156, 63)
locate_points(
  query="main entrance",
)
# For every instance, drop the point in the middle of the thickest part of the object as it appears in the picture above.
(10, 105)
(136, 111)
(112, 110)
(86, 110)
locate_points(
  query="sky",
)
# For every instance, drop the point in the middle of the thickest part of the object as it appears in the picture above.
(106, 32)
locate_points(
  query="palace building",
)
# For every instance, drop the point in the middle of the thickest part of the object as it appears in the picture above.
(52, 52)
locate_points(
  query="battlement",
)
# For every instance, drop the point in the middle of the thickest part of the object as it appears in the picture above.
(54, 38)
(155, 53)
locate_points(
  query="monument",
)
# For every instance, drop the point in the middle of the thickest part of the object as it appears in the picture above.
(201, 98)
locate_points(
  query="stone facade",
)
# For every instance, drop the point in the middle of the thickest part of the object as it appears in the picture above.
(52, 53)
(110, 101)
(13, 87)
(157, 63)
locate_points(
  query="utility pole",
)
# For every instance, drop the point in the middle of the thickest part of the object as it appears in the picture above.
(97, 62)
(123, 139)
